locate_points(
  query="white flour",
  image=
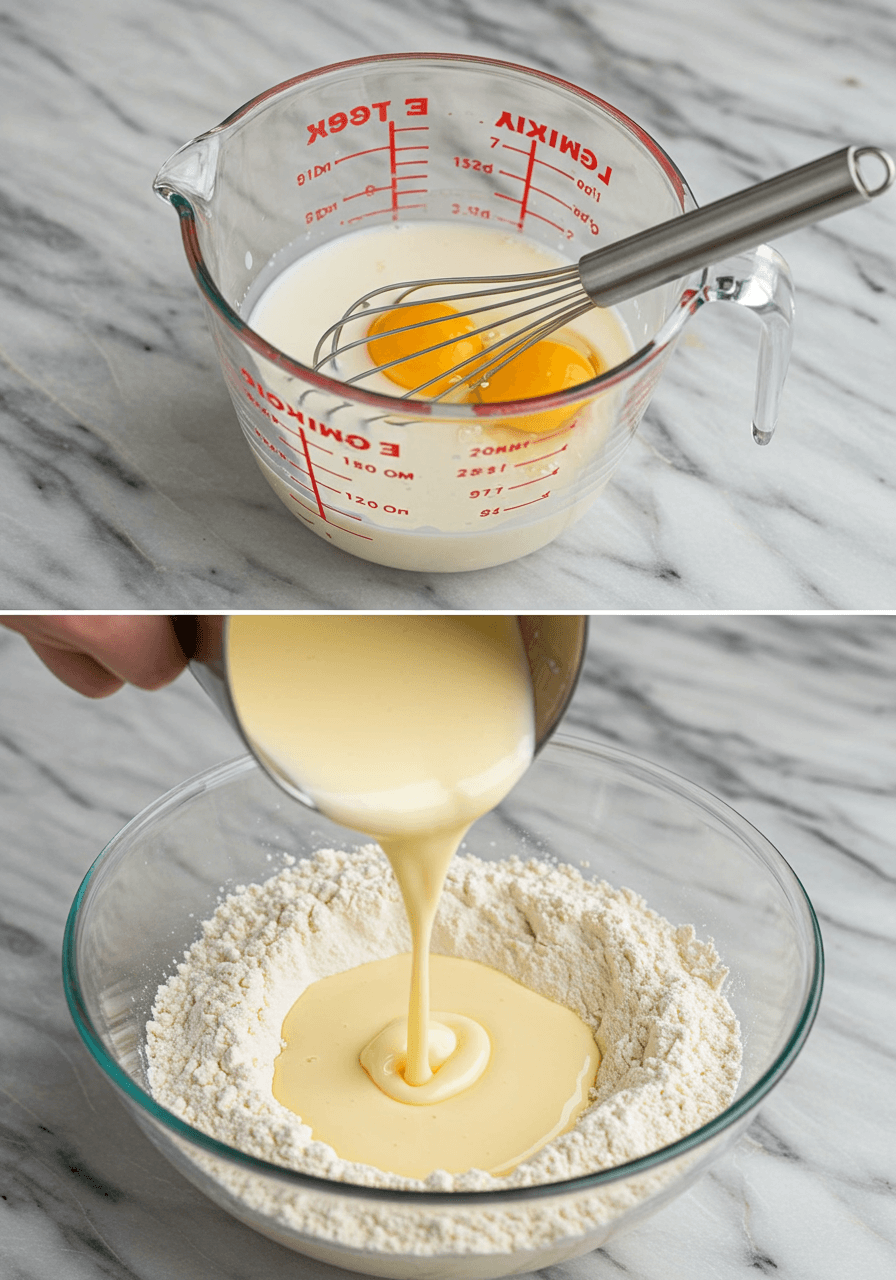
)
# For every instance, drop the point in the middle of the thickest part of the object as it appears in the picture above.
(650, 991)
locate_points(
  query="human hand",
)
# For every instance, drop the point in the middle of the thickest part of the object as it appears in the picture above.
(96, 654)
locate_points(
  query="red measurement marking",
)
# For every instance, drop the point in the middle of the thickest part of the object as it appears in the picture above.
(528, 212)
(317, 497)
(539, 190)
(312, 473)
(354, 154)
(302, 485)
(564, 173)
(300, 503)
(373, 212)
(394, 162)
(307, 519)
(295, 465)
(529, 461)
(519, 505)
(368, 191)
(289, 445)
(321, 484)
(527, 185)
(293, 432)
(530, 190)
(534, 480)
(392, 172)
(542, 218)
(340, 475)
(304, 470)
(398, 193)
(353, 532)
(551, 196)
(346, 515)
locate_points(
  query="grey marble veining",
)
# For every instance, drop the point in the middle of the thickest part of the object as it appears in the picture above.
(123, 479)
(793, 721)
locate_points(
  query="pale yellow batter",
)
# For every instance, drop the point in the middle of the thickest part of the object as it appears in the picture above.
(408, 729)
(542, 1063)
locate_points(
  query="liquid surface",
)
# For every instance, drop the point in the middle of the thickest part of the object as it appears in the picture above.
(542, 1063)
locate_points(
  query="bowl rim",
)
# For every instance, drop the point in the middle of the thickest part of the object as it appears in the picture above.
(622, 761)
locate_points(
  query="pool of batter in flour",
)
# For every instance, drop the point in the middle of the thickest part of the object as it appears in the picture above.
(257, 1038)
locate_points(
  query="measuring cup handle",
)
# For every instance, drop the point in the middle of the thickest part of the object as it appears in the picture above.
(761, 281)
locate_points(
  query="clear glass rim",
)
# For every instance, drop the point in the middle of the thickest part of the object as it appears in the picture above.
(623, 762)
(413, 409)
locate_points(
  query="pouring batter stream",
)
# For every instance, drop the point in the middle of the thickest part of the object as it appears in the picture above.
(408, 729)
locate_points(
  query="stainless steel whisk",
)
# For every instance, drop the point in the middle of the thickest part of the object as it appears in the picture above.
(546, 301)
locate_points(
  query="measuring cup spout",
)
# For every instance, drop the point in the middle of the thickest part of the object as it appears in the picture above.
(191, 172)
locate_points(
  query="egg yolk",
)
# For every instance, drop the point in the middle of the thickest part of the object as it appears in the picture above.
(548, 365)
(419, 367)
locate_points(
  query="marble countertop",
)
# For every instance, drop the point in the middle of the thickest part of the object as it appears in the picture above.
(124, 481)
(793, 721)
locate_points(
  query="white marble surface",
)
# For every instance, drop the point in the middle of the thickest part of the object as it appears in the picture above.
(123, 479)
(793, 721)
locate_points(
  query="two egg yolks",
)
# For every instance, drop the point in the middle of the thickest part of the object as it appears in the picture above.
(546, 366)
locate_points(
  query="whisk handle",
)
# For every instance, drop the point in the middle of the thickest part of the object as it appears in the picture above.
(744, 220)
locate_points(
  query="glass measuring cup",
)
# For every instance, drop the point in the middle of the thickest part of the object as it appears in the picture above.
(443, 139)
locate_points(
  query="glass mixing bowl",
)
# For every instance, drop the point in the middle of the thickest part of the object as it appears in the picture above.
(607, 813)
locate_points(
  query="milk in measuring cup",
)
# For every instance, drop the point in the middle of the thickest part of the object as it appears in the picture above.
(315, 290)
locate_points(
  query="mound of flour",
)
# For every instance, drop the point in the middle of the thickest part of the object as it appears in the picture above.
(649, 990)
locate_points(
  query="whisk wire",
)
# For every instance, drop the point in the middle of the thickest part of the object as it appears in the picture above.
(504, 350)
(576, 296)
(515, 281)
(514, 284)
(507, 349)
(498, 301)
(404, 288)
